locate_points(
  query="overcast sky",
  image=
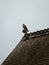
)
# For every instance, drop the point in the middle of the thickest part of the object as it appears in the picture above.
(13, 13)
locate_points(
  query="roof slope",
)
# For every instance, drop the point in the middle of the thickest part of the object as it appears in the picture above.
(31, 51)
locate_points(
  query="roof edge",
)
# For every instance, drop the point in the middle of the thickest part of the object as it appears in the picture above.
(36, 34)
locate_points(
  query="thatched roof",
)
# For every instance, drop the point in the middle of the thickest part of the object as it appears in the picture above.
(33, 50)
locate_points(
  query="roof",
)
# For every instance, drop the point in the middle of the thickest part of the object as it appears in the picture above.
(37, 34)
(33, 50)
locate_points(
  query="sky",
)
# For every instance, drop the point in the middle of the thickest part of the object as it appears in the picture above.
(13, 13)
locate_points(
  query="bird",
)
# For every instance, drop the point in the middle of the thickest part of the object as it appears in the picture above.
(25, 29)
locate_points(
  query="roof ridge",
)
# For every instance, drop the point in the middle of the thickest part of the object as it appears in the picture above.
(36, 34)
